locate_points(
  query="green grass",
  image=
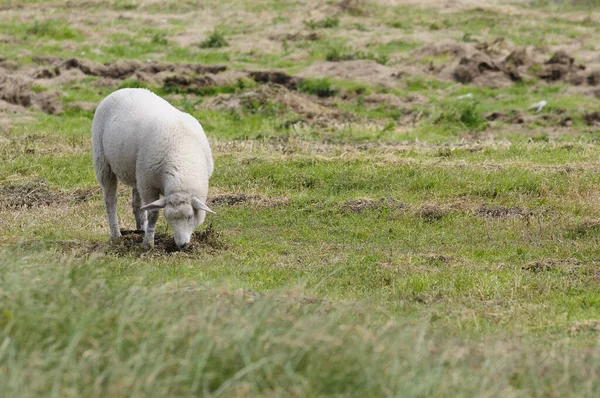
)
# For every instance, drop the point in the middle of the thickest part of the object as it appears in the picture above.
(215, 40)
(392, 241)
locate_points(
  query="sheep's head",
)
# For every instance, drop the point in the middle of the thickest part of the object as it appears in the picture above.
(183, 213)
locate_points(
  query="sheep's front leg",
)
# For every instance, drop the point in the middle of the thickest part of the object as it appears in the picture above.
(150, 227)
(139, 214)
(152, 215)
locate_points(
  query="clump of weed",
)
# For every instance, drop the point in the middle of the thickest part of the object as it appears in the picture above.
(53, 29)
(159, 38)
(133, 83)
(215, 40)
(328, 22)
(125, 5)
(343, 53)
(470, 116)
(339, 53)
(463, 113)
(320, 87)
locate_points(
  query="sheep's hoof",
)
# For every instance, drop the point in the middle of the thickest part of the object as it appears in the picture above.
(148, 245)
(116, 240)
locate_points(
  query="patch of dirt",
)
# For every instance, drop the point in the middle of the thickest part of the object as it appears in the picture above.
(489, 65)
(297, 36)
(363, 71)
(233, 199)
(391, 101)
(512, 117)
(32, 194)
(124, 69)
(17, 90)
(439, 49)
(561, 66)
(583, 229)
(560, 118)
(59, 69)
(9, 108)
(362, 204)
(277, 97)
(587, 326)
(592, 119)
(498, 47)
(131, 243)
(28, 195)
(502, 212)
(83, 105)
(549, 264)
(276, 77)
(188, 83)
(438, 259)
(432, 213)
(594, 78)
(354, 7)
(481, 69)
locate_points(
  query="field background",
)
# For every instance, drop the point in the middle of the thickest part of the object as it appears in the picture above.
(392, 219)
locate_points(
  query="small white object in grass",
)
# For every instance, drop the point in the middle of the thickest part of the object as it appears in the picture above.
(468, 95)
(146, 143)
(538, 106)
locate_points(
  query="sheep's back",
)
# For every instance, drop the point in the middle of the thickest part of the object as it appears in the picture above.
(140, 133)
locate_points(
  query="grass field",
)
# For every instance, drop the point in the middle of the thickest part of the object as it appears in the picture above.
(392, 219)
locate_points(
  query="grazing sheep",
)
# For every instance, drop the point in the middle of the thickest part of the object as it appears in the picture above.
(146, 143)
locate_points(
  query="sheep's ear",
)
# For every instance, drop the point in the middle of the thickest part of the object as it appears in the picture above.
(157, 204)
(198, 205)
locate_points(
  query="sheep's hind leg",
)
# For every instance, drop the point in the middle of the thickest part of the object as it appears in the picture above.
(139, 214)
(108, 181)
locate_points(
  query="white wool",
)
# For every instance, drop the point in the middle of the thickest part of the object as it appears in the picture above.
(153, 147)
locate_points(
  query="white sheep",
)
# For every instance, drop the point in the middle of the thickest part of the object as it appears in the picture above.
(146, 143)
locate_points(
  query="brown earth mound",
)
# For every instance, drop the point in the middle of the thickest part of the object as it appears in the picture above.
(279, 98)
(275, 77)
(592, 119)
(33, 194)
(484, 68)
(124, 69)
(17, 90)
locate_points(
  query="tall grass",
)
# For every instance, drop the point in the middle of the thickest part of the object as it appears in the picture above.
(68, 329)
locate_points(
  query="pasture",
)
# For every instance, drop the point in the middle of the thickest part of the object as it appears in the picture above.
(391, 218)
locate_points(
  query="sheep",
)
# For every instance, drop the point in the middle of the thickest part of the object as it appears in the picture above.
(146, 143)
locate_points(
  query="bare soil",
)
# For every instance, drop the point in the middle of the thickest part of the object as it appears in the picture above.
(131, 244)
(235, 199)
(37, 193)
(279, 98)
(364, 71)
(362, 204)
(502, 212)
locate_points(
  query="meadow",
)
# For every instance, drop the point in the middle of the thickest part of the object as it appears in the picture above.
(392, 216)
